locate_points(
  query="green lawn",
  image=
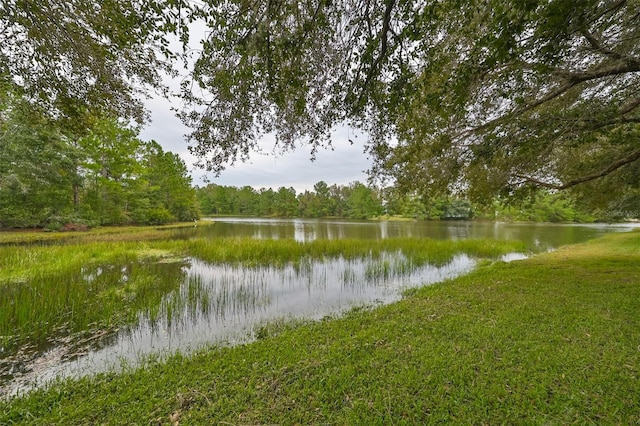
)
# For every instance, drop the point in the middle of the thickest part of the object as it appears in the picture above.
(550, 340)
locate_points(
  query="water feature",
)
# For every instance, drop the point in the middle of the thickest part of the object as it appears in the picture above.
(226, 304)
(538, 236)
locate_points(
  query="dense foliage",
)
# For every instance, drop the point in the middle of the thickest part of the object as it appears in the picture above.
(51, 175)
(460, 99)
(357, 201)
(479, 97)
(73, 75)
(95, 55)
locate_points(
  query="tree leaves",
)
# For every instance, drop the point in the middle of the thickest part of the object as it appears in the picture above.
(102, 54)
(51, 176)
(481, 96)
(455, 95)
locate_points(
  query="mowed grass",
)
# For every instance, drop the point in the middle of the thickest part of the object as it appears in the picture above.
(554, 339)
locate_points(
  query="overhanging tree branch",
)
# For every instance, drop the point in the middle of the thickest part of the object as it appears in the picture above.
(598, 47)
(384, 43)
(629, 106)
(632, 157)
(571, 79)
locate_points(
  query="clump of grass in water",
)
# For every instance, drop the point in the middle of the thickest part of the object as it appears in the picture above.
(256, 252)
(378, 270)
(388, 265)
(100, 297)
(251, 252)
(192, 298)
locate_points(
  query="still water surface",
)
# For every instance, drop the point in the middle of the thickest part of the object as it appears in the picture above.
(225, 304)
(539, 237)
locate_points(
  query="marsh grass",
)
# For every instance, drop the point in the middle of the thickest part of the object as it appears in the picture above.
(107, 233)
(191, 299)
(548, 340)
(95, 284)
(85, 282)
(251, 252)
(92, 298)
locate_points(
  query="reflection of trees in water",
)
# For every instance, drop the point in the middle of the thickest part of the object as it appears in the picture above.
(536, 236)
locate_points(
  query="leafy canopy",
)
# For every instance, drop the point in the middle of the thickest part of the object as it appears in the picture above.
(51, 176)
(102, 55)
(480, 96)
(477, 96)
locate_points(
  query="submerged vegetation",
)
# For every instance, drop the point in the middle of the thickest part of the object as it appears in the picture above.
(93, 283)
(552, 339)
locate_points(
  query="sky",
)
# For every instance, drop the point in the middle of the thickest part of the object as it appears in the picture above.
(344, 164)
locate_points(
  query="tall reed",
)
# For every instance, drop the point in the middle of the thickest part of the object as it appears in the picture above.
(249, 251)
(52, 290)
(67, 288)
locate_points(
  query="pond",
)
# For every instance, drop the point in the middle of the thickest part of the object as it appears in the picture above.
(537, 236)
(226, 304)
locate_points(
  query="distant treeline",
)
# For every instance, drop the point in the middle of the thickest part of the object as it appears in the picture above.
(356, 201)
(359, 201)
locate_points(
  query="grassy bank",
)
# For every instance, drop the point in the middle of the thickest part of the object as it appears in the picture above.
(550, 340)
(106, 233)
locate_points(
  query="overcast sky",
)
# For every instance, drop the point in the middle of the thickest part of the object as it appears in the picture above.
(345, 164)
